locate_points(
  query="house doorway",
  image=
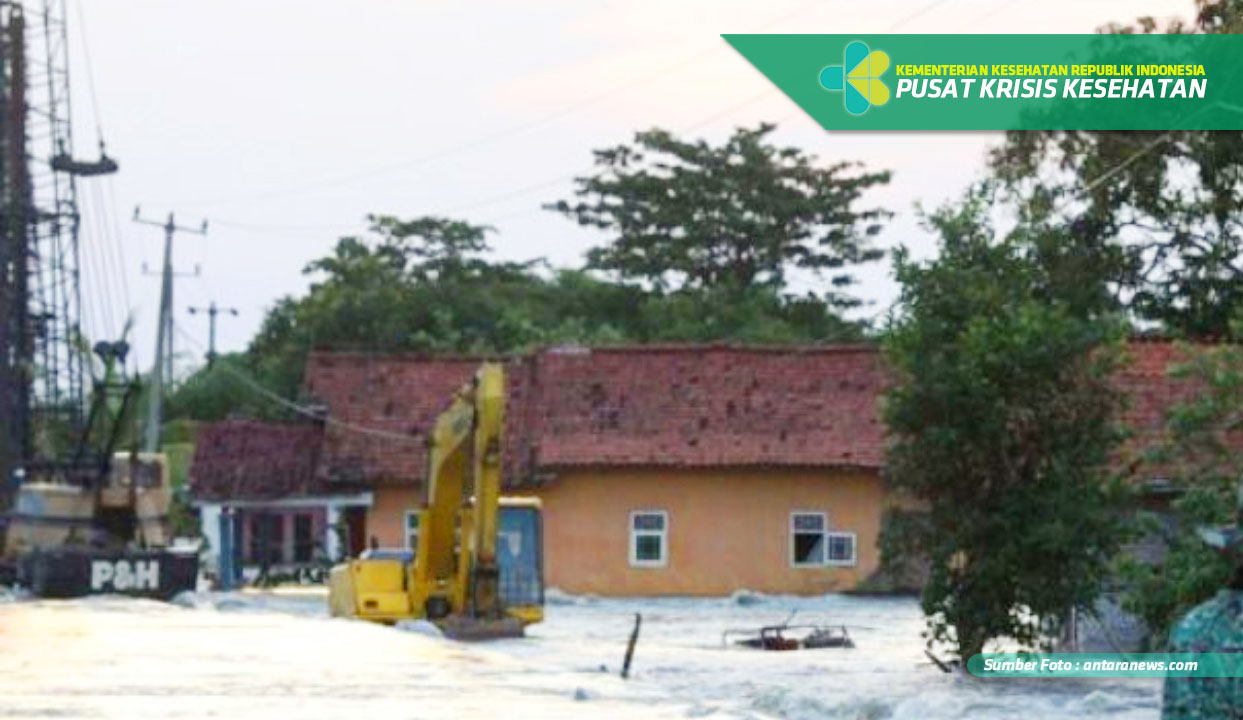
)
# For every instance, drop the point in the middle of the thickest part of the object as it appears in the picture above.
(356, 530)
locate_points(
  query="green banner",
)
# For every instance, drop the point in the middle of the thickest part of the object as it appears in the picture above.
(1103, 665)
(1007, 82)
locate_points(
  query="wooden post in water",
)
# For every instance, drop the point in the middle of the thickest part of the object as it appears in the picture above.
(634, 638)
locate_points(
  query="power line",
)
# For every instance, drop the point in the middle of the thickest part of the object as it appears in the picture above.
(492, 200)
(517, 192)
(498, 135)
(725, 112)
(313, 413)
(1137, 155)
(261, 227)
(550, 182)
(917, 14)
(995, 12)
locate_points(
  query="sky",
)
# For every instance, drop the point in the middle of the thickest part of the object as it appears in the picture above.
(284, 123)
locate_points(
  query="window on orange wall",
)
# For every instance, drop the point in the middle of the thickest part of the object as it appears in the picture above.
(412, 530)
(807, 538)
(812, 544)
(649, 538)
(840, 549)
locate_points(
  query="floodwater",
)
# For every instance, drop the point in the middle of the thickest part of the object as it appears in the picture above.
(260, 656)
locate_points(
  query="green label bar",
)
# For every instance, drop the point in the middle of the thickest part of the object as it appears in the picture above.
(1106, 665)
(1007, 82)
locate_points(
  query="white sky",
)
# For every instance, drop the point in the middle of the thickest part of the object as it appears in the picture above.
(285, 122)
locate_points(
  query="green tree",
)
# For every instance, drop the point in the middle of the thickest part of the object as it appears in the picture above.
(415, 285)
(1158, 213)
(1200, 456)
(1160, 210)
(690, 215)
(754, 315)
(216, 393)
(1000, 423)
(428, 285)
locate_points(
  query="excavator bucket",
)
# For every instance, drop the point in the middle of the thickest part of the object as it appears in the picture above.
(463, 627)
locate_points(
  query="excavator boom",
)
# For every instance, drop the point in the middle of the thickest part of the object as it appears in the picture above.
(455, 576)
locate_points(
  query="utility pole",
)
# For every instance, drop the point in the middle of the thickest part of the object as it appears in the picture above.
(212, 311)
(162, 369)
(169, 334)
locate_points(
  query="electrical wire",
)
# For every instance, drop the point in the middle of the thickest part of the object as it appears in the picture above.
(929, 7)
(563, 178)
(500, 134)
(517, 192)
(313, 413)
(994, 13)
(725, 112)
(261, 227)
(1118, 167)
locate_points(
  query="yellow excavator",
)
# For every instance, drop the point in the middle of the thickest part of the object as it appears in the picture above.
(477, 566)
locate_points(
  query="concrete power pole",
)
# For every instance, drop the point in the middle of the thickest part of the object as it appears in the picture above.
(212, 311)
(162, 368)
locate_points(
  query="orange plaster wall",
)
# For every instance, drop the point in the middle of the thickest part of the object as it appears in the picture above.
(728, 529)
(387, 516)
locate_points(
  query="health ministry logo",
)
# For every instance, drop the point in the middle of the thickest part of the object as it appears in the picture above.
(859, 78)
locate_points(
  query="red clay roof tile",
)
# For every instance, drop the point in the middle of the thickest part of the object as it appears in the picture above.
(251, 460)
(674, 405)
(654, 405)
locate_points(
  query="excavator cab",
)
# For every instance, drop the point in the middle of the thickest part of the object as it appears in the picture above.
(477, 568)
(520, 553)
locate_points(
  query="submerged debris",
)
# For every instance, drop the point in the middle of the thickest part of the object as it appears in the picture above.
(634, 638)
(785, 636)
(946, 666)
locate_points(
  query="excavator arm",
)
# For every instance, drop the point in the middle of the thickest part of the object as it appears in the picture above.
(457, 546)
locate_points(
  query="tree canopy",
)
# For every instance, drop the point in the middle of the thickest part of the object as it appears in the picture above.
(1159, 211)
(693, 216)
(1158, 215)
(1001, 420)
(1199, 456)
(431, 284)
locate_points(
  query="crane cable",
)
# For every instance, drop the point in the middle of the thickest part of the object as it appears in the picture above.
(111, 268)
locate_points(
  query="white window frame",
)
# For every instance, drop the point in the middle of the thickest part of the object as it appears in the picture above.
(407, 533)
(853, 560)
(663, 534)
(824, 550)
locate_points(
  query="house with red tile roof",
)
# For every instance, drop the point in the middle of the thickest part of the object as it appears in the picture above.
(266, 474)
(662, 469)
(678, 469)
